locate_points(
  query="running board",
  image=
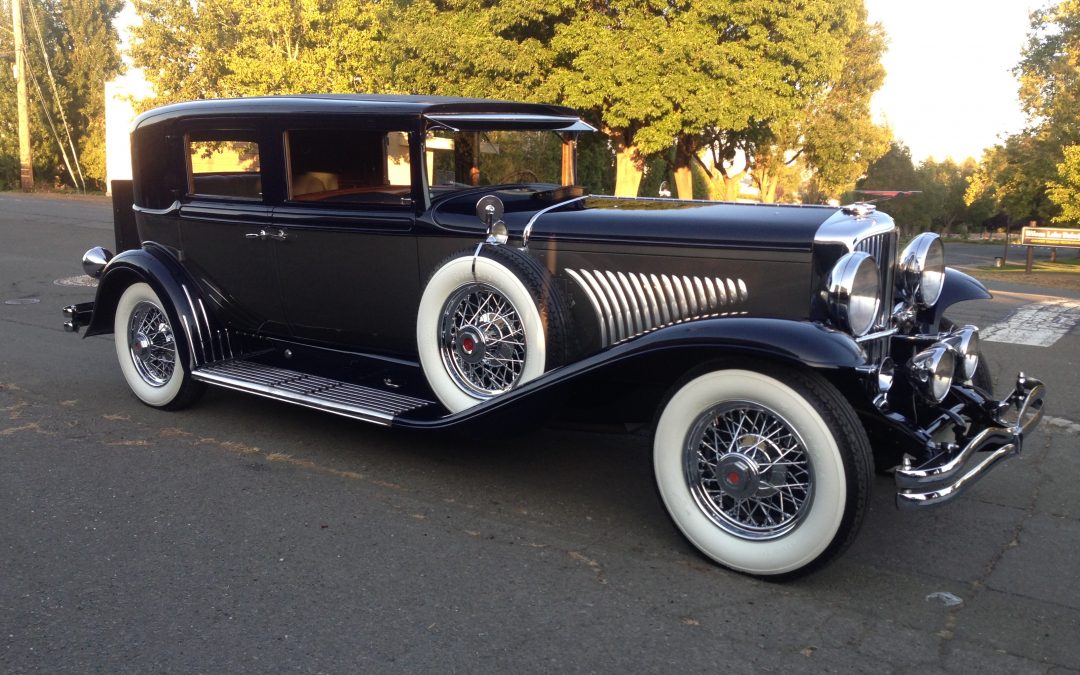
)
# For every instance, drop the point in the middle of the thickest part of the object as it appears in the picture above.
(320, 393)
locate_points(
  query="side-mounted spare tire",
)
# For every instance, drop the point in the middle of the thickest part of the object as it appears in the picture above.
(487, 323)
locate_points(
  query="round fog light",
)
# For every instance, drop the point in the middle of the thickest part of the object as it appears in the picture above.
(885, 375)
(932, 371)
(966, 345)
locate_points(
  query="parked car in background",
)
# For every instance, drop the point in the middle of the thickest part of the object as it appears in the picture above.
(427, 262)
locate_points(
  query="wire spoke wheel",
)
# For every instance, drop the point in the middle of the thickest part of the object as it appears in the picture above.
(748, 470)
(482, 340)
(151, 344)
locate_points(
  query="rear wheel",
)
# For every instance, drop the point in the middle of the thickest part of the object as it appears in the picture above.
(764, 471)
(147, 351)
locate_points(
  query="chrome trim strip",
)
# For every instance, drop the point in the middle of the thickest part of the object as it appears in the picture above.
(609, 313)
(643, 302)
(592, 299)
(691, 296)
(628, 304)
(680, 295)
(621, 322)
(875, 336)
(209, 333)
(654, 307)
(568, 123)
(195, 320)
(662, 299)
(191, 343)
(527, 232)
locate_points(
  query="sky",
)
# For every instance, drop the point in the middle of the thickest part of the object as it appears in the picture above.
(949, 91)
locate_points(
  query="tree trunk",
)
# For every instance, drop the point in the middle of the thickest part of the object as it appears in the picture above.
(768, 188)
(628, 167)
(725, 188)
(684, 177)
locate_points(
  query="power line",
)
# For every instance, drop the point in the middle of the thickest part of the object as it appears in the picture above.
(80, 184)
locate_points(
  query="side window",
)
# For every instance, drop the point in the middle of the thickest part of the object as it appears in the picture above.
(339, 166)
(224, 164)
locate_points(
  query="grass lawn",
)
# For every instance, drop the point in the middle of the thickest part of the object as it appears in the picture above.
(1065, 273)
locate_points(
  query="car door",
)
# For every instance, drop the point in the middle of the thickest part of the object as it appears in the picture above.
(347, 261)
(224, 221)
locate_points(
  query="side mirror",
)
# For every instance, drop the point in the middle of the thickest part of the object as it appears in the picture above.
(490, 211)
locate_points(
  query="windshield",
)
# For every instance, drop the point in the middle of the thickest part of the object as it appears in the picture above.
(459, 160)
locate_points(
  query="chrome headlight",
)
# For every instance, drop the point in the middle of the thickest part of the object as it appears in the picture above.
(922, 269)
(932, 371)
(966, 345)
(854, 292)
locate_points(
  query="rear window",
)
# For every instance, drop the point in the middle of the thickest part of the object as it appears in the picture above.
(224, 164)
(349, 166)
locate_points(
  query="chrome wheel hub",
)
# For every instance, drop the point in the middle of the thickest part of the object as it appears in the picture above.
(748, 470)
(151, 345)
(482, 340)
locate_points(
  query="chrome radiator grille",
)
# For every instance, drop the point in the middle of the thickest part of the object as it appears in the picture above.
(883, 248)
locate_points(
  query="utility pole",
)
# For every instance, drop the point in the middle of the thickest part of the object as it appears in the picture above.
(26, 165)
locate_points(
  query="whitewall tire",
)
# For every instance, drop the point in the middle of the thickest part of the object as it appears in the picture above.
(486, 324)
(764, 476)
(147, 352)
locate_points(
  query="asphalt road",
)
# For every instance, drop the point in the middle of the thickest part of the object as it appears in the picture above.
(249, 536)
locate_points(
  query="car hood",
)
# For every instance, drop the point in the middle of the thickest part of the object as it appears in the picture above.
(648, 221)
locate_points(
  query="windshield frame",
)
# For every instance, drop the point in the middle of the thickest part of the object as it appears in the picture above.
(567, 133)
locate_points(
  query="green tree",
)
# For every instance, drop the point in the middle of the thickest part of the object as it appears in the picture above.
(1016, 174)
(214, 48)
(76, 42)
(1065, 191)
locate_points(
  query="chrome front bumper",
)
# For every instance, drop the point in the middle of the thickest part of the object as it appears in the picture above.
(950, 473)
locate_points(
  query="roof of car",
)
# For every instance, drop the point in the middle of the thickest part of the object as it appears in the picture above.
(378, 104)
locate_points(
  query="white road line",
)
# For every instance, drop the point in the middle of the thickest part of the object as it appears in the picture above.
(1037, 325)
(1062, 423)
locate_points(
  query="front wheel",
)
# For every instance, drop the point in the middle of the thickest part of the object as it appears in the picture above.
(764, 476)
(147, 352)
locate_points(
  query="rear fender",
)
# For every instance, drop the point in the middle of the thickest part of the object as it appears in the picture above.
(154, 265)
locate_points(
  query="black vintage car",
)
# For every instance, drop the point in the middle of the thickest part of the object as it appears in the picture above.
(427, 262)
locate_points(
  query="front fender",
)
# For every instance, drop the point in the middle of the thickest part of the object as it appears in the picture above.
(669, 352)
(154, 265)
(958, 287)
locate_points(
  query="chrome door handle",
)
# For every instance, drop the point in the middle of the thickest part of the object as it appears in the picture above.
(277, 235)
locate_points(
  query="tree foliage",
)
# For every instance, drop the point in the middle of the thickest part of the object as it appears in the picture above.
(1016, 174)
(1065, 191)
(660, 78)
(939, 205)
(219, 48)
(75, 39)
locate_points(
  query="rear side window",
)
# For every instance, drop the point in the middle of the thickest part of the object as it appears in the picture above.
(343, 166)
(224, 164)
